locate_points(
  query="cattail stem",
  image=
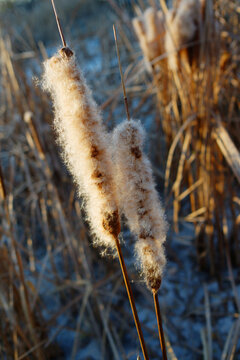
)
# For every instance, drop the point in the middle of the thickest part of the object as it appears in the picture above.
(58, 24)
(159, 322)
(131, 299)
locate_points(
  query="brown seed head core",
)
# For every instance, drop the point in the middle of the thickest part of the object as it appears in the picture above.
(136, 151)
(65, 52)
(154, 283)
(94, 151)
(111, 223)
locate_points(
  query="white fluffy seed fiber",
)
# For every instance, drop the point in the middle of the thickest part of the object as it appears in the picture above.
(84, 142)
(139, 201)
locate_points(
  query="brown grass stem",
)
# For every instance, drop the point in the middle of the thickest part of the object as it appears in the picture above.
(159, 322)
(121, 73)
(58, 24)
(131, 299)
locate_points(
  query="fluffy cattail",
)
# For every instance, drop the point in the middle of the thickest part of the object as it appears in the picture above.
(84, 143)
(154, 29)
(181, 28)
(149, 29)
(139, 200)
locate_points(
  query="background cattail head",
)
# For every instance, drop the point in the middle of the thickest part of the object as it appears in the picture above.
(84, 143)
(154, 24)
(139, 28)
(138, 198)
(181, 27)
(149, 28)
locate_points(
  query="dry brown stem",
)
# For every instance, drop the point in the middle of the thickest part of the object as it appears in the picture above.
(59, 25)
(159, 323)
(131, 299)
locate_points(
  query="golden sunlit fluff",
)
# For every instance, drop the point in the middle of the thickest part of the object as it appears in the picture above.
(84, 143)
(181, 28)
(139, 201)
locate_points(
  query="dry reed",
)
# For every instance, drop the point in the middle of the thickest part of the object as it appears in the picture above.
(195, 77)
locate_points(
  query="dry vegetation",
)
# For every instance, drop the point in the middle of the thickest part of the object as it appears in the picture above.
(54, 286)
(192, 51)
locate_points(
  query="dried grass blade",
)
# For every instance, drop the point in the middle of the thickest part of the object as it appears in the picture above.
(191, 188)
(234, 341)
(231, 275)
(164, 7)
(31, 350)
(208, 321)
(176, 140)
(170, 351)
(228, 149)
(108, 332)
(228, 341)
(79, 322)
(195, 214)
(204, 342)
(177, 184)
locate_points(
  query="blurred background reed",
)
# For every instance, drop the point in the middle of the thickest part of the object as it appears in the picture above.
(58, 298)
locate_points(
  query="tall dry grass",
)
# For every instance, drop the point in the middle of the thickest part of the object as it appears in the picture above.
(192, 52)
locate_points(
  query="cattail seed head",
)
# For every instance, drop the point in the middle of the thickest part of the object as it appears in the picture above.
(138, 199)
(153, 260)
(84, 143)
(181, 27)
(149, 28)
